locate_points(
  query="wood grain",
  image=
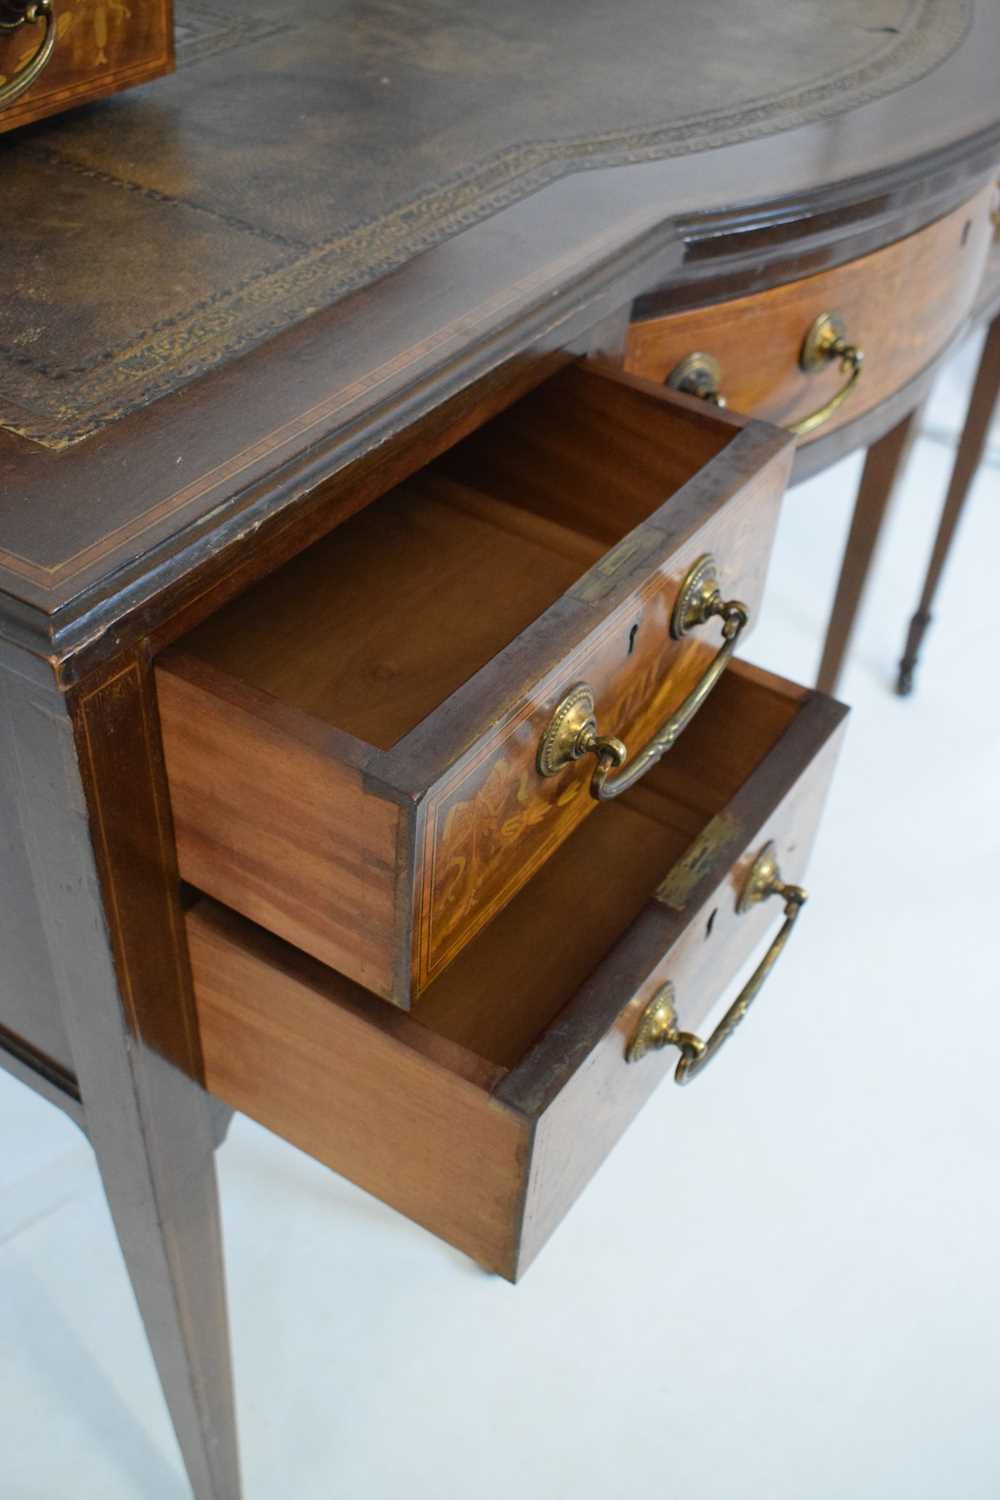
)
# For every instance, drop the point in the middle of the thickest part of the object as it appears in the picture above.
(271, 819)
(900, 304)
(101, 47)
(288, 1048)
(380, 700)
(483, 1112)
(373, 628)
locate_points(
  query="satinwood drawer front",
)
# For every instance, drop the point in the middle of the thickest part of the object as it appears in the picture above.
(354, 747)
(898, 306)
(483, 1112)
(57, 55)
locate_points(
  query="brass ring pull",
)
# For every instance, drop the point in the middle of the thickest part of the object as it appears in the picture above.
(30, 15)
(700, 374)
(572, 731)
(658, 1026)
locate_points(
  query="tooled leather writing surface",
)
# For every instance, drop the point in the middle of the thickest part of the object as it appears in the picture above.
(290, 162)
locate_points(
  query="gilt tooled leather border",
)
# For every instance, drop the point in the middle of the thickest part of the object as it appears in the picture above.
(162, 359)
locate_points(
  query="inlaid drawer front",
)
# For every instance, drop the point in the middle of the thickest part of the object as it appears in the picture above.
(483, 1112)
(370, 753)
(59, 53)
(771, 354)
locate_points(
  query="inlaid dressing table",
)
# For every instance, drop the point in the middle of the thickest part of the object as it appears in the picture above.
(397, 405)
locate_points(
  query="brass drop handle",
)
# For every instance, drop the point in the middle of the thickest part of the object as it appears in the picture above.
(13, 14)
(700, 374)
(658, 1025)
(572, 731)
(827, 341)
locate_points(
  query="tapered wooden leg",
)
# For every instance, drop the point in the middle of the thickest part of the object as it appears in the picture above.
(98, 842)
(883, 467)
(967, 461)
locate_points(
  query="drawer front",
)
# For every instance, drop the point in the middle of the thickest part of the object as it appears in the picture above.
(694, 936)
(899, 305)
(96, 48)
(490, 821)
(484, 1124)
(384, 856)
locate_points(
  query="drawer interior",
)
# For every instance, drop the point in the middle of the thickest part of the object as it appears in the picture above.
(376, 625)
(505, 989)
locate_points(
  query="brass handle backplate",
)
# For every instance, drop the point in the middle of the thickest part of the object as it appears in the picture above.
(572, 731)
(658, 1027)
(14, 14)
(700, 374)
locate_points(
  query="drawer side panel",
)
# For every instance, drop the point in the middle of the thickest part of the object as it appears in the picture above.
(282, 832)
(406, 1126)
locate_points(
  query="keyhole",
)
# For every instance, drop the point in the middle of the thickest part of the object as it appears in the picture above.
(710, 924)
(631, 637)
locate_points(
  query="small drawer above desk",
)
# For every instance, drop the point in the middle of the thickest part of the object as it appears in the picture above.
(372, 751)
(483, 1113)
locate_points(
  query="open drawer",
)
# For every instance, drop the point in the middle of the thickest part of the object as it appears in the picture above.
(369, 753)
(483, 1112)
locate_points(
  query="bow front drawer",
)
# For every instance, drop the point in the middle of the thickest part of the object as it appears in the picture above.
(372, 751)
(483, 1112)
(772, 354)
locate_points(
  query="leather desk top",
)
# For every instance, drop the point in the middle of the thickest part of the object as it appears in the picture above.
(288, 164)
(229, 269)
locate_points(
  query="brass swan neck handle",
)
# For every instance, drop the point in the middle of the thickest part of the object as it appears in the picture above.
(13, 15)
(700, 374)
(658, 1026)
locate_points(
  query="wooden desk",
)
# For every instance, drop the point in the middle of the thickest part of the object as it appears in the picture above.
(208, 366)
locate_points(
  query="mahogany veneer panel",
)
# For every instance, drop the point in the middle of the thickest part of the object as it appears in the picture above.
(900, 304)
